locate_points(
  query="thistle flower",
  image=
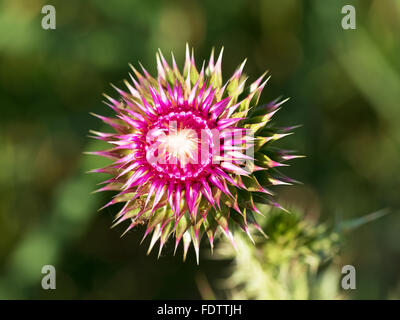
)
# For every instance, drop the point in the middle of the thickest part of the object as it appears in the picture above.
(296, 262)
(300, 259)
(191, 155)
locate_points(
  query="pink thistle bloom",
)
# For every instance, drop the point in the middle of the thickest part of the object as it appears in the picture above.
(191, 155)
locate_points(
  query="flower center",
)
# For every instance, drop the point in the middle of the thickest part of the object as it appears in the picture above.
(179, 145)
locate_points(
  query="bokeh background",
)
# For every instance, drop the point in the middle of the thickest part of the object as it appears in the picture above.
(345, 91)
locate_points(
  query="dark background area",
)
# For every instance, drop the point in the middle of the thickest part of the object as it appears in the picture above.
(345, 91)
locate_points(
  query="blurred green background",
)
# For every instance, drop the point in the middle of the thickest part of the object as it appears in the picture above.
(345, 91)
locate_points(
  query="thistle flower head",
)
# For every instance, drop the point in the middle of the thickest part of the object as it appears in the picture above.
(299, 250)
(191, 155)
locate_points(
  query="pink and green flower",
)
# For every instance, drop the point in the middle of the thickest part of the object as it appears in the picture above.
(192, 155)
